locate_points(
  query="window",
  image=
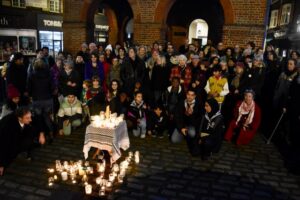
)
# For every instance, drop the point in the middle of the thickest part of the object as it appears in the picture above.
(55, 6)
(273, 19)
(274, 1)
(18, 3)
(285, 14)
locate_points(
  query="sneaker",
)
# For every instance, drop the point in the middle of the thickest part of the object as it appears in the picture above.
(161, 136)
(143, 135)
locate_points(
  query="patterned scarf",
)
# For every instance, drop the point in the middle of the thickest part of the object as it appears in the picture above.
(245, 109)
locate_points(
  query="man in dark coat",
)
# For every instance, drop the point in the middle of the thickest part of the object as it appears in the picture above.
(16, 136)
(187, 117)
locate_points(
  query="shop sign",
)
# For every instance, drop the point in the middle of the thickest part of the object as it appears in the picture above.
(3, 21)
(102, 27)
(50, 22)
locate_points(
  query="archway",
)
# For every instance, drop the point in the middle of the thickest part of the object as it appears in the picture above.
(198, 32)
(117, 13)
(210, 11)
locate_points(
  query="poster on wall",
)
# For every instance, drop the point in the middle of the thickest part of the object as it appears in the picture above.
(8, 45)
(27, 44)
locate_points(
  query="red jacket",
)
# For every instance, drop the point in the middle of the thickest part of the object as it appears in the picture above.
(245, 136)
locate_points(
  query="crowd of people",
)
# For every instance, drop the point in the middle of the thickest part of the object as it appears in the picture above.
(200, 95)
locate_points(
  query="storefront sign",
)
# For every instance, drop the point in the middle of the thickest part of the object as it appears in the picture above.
(4, 21)
(37, 4)
(279, 34)
(50, 22)
(102, 27)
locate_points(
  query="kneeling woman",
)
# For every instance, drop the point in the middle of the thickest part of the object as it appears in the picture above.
(246, 121)
(211, 129)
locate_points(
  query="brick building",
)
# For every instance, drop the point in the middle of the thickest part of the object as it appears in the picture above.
(241, 21)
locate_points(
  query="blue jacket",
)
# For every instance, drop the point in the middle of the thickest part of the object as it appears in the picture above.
(89, 72)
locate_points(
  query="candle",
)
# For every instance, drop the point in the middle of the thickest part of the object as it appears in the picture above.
(102, 168)
(88, 189)
(116, 168)
(130, 154)
(111, 178)
(99, 180)
(55, 177)
(51, 170)
(102, 193)
(58, 165)
(81, 171)
(109, 184)
(64, 176)
(120, 178)
(74, 181)
(123, 172)
(84, 178)
(103, 188)
(137, 157)
(107, 112)
(50, 181)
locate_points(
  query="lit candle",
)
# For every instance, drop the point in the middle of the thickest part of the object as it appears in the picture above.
(103, 188)
(64, 176)
(102, 193)
(55, 177)
(50, 181)
(111, 178)
(137, 157)
(88, 189)
(74, 181)
(102, 168)
(84, 178)
(116, 168)
(51, 170)
(130, 154)
(109, 184)
(81, 171)
(120, 178)
(99, 180)
(123, 172)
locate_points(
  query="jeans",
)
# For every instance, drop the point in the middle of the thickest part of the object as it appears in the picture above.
(141, 128)
(177, 136)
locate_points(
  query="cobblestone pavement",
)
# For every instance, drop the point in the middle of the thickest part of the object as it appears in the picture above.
(166, 171)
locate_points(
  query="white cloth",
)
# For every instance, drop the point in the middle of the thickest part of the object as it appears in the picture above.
(111, 140)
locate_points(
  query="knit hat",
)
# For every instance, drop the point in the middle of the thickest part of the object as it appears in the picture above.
(108, 47)
(195, 57)
(12, 91)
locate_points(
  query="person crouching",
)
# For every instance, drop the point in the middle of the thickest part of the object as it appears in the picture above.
(69, 114)
(136, 117)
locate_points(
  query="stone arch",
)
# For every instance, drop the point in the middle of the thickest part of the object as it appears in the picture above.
(163, 8)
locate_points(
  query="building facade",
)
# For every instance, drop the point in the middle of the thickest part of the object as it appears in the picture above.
(28, 25)
(284, 26)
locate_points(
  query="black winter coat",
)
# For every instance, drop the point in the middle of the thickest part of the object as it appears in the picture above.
(64, 89)
(17, 75)
(13, 139)
(40, 85)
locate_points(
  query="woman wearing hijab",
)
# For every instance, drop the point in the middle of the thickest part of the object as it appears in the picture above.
(247, 117)
(211, 130)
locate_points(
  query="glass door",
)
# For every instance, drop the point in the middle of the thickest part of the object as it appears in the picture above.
(57, 44)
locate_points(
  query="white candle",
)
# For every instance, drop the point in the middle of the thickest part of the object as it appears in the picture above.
(130, 154)
(111, 178)
(108, 184)
(51, 170)
(55, 177)
(102, 193)
(120, 178)
(88, 189)
(123, 172)
(99, 180)
(84, 178)
(81, 171)
(116, 168)
(102, 168)
(64, 176)
(50, 181)
(137, 157)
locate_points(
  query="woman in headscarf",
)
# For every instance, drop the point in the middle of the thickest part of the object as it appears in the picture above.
(247, 117)
(211, 130)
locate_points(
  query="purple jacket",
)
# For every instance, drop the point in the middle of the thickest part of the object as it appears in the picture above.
(89, 71)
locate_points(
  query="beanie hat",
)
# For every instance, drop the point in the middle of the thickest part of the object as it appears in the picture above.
(12, 91)
(108, 47)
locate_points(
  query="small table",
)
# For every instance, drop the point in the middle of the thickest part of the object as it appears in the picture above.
(110, 139)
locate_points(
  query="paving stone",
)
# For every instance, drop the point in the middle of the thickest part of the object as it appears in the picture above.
(10, 184)
(187, 196)
(33, 197)
(27, 188)
(43, 192)
(135, 186)
(169, 193)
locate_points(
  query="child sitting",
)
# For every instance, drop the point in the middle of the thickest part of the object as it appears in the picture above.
(136, 118)
(158, 122)
(97, 100)
(85, 97)
(69, 114)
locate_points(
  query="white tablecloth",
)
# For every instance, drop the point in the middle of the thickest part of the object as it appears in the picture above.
(111, 140)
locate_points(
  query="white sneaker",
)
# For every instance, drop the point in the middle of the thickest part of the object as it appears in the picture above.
(143, 135)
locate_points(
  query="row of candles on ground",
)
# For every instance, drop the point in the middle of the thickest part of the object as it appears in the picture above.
(70, 170)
